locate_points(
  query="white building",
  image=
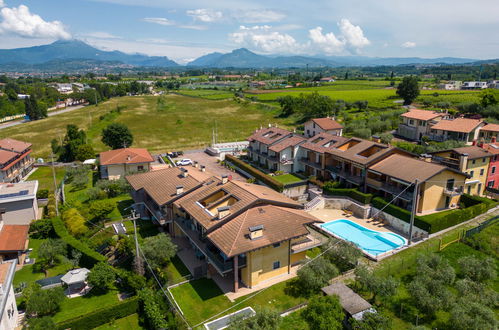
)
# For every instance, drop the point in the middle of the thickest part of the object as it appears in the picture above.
(323, 125)
(474, 85)
(452, 85)
(19, 202)
(8, 306)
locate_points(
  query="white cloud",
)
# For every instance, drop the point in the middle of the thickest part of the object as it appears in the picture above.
(2, 4)
(205, 15)
(408, 44)
(101, 35)
(259, 16)
(327, 43)
(352, 35)
(158, 20)
(265, 39)
(22, 22)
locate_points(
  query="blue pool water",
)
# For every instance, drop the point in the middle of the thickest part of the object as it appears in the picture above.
(371, 241)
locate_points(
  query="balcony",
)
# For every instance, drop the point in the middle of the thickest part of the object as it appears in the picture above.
(391, 189)
(306, 161)
(345, 175)
(455, 191)
(307, 243)
(451, 162)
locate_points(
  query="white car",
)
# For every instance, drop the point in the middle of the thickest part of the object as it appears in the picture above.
(184, 162)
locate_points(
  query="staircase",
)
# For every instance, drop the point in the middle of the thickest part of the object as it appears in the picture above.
(316, 203)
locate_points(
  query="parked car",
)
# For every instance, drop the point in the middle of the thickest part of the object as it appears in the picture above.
(184, 162)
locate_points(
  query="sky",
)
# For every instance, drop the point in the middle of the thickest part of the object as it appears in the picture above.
(184, 30)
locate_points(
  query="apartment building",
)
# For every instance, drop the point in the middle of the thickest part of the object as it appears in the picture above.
(440, 187)
(472, 160)
(115, 164)
(260, 142)
(416, 123)
(8, 305)
(459, 129)
(322, 125)
(493, 172)
(15, 160)
(282, 155)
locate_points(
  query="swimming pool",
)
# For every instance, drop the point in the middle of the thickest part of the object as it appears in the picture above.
(370, 241)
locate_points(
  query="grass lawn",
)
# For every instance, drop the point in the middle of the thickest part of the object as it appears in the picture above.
(202, 299)
(130, 322)
(294, 321)
(74, 307)
(177, 270)
(155, 130)
(287, 178)
(45, 177)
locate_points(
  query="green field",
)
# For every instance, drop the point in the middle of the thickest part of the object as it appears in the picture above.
(45, 177)
(185, 124)
(210, 94)
(131, 322)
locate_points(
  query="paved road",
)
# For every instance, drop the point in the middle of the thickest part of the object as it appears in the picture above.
(50, 114)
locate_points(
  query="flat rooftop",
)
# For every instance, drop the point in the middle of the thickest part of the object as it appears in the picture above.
(20, 190)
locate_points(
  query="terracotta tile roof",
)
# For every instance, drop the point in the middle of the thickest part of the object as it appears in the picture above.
(491, 128)
(14, 145)
(354, 153)
(4, 271)
(462, 125)
(161, 185)
(421, 114)
(125, 156)
(493, 148)
(472, 151)
(13, 237)
(279, 224)
(323, 142)
(288, 142)
(327, 123)
(7, 156)
(269, 135)
(408, 169)
(246, 194)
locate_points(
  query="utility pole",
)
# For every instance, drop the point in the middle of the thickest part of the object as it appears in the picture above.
(55, 188)
(139, 265)
(414, 208)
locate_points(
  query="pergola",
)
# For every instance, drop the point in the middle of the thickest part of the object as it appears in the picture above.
(75, 279)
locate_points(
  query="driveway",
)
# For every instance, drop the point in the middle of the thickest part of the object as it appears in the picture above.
(211, 164)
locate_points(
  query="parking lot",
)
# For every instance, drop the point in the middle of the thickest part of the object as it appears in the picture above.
(211, 164)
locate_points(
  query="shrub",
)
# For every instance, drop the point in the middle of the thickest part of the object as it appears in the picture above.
(100, 209)
(353, 193)
(41, 229)
(271, 182)
(113, 188)
(42, 194)
(74, 222)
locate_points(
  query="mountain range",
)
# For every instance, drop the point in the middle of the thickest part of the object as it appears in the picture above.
(75, 51)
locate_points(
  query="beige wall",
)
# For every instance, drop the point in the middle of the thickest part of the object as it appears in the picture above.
(432, 192)
(117, 171)
(480, 165)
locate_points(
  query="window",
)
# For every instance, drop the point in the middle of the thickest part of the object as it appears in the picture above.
(479, 191)
(484, 160)
(491, 184)
(472, 173)
(140, 168)
(276, 265)
(411, 122)
(276, 245)
(474, 161)
(493, 170)
(469, 189)
(481, 171)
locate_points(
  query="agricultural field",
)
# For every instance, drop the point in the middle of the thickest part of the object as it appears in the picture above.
(210, 94)
(184, 123)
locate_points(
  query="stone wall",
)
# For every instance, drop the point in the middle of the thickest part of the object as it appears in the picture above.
(345, 203)
(398, 224)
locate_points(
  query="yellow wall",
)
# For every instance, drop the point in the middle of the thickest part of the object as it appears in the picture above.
(297, 257)
(479, 165)
(432, 192)
(260, 262)
(119, 170)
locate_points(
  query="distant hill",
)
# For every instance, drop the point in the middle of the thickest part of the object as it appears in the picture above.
(77, 50)
(243, 58)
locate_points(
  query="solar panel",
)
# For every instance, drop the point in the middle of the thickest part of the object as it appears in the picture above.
(20, 193)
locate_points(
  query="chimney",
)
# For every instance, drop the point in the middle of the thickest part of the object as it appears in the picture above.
(463, 162)
(473, 143)
(180, 190)
(225, 179)
(376, 139)
(480, 144)
(128, 157)
(493, 139)
(256, 232)
(203, 168)
(223, 211)
(196, 164)
(185, 173)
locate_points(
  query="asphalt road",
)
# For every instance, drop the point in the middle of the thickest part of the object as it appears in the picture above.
(50, 114)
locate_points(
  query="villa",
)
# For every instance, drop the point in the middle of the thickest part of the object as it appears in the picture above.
(115, 164)
(489, 132)
(322, 125)
(416, 123)
(459, 129)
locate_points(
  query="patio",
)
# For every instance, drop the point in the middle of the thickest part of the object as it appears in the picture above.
(327, 215)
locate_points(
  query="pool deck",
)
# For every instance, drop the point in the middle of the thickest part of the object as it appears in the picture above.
(328, 215)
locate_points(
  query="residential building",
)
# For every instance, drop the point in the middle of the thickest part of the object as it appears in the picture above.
(15, 160)
(247, 233)
(471, 160)
(493, 84)
(63, 88)
(459, 129)
(416, 123)
(311, 153)
(282, 155)
(18, 202)
(451, 85)
(8, 305)
(489, 131)
(115, 164)
(474, 85)
(261, 140)
(323, 125)
(440, 187)
(154, 192)
(13, 241)
(493, 172)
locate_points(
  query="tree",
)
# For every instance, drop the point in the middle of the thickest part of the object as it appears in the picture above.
(117, 136)
(386, 138)
(467, 315)
(44, 302)
(102, 276)
(74, 222)
(372, 321)
(101, 208)
(379, 286)
(152, 310)
(84, 152)
(288, 105)
(479, 270)
(488, 97)
(343, 254)
(316, 274)
(264, 319)
(50, 249)
(158, 250)
(34, 110)
(73, 139)
(408, 89)
(41, 229)
(324, 313)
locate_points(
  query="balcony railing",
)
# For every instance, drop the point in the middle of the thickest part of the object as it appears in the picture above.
(305, 160)
(391, 189)
(346, 175)
(308, 242)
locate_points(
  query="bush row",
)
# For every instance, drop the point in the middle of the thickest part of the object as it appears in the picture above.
(400, 213)
(334, 190)
(259, 175)
(89, 257)
(102, 316)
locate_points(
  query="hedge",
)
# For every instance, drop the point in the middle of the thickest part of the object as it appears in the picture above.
(333, 190)
(259, 175)
(400, 213)
(102, 316)
(89, 257)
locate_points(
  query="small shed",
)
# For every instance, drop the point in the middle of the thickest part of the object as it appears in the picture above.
(75, 279)
(352, 303)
